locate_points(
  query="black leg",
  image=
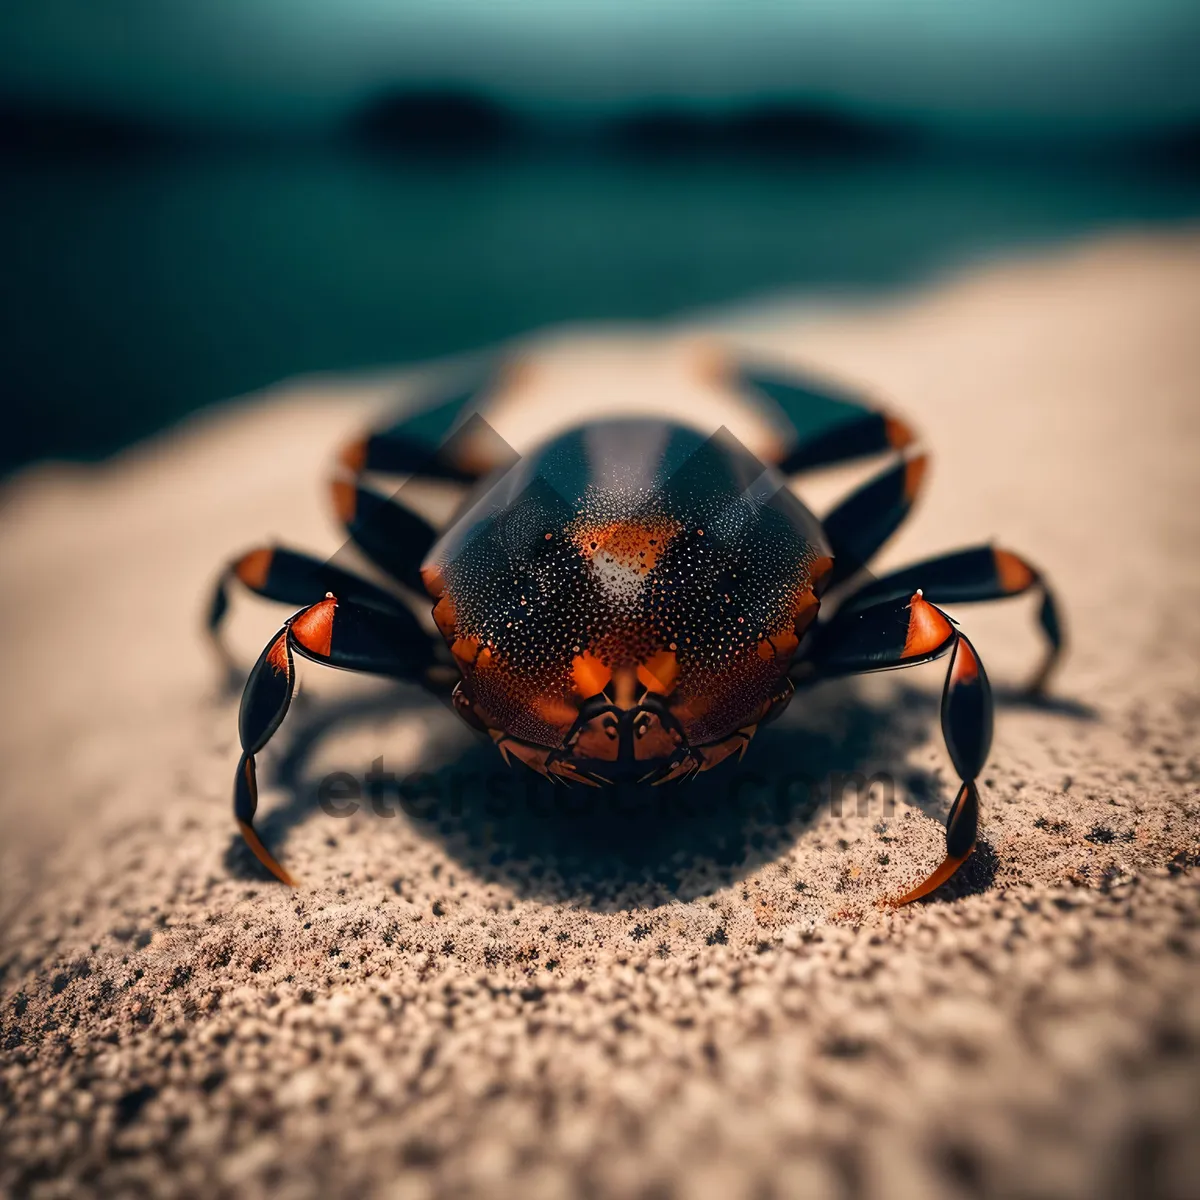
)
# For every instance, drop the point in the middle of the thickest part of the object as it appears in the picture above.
(900, 633)
(968, 576)
(391, 535)
(291, 577)
(444, 441)
(336, 633)
(861, 523)
(828, 424)
(445, 438)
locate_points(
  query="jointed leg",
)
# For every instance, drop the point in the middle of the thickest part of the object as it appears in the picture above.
(446, 439)
(292, 578)
(861, 523)
(897, 633)
(392, 536)
(334, 632)
(969, 576)
(432, 443)
(828, 425)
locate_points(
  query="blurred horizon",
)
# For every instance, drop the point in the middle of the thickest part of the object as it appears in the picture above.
(1096, 68)
(201, 200)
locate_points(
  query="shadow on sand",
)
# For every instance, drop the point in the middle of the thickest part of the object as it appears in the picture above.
(628, 845)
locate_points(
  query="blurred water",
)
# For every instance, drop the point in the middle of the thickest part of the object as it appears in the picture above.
(136, 290)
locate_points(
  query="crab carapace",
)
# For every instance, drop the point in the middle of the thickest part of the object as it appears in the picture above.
(633, 598)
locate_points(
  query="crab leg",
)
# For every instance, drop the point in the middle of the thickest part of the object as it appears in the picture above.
(866, 518)
(438, 440)
(391, 535)
(336, 633)
(291, 577)
(896, 633)
(968, 576)
(829, 425)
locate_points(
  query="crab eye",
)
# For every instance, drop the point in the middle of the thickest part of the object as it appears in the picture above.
(610, 727)
(643, 724)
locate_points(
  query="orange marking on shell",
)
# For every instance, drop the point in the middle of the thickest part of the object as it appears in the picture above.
(591, 676)
(345, 500)
(434, 580)
(1015, 574)
(765, 650)
(898, 434)
(927, 629)
(277, 656)
(914, 475)
(445, 617)
(353, 455)
(634, 545)
(965, 668)
(253, 568)
(466, 650)
(807, 608)
(659, 672)
(484, 658)
(819, 572)
(313, 628)
(785, 643)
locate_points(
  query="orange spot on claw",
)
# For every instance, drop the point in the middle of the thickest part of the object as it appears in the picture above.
(914, 475)
(253, 568)
(1015, 574)
(927, 629)
(353, 455)
(965, 668)
(313, 628)
(898, 434)
(345, 500)
(277, 656)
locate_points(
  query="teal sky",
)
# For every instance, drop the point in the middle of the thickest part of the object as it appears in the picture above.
(1041, 65)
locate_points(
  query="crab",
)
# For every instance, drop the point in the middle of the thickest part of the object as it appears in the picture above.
(634, 597)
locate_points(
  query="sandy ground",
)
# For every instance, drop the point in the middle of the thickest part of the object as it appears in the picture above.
(493, 995)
